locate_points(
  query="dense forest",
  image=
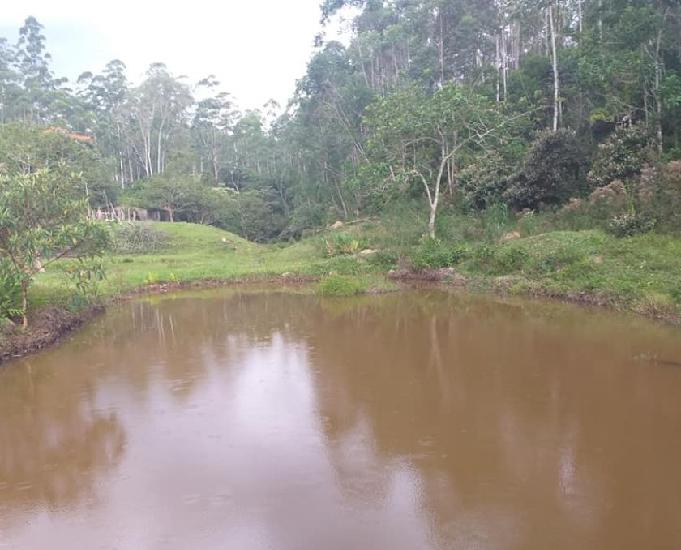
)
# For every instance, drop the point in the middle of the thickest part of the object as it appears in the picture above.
(561, 106)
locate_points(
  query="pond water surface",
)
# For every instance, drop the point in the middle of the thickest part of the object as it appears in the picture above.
(245, 420)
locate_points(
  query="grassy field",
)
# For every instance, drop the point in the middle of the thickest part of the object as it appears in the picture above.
(194, 253)
(641, 273)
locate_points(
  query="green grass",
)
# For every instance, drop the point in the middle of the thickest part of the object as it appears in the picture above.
(351, 285)
(641, 273)
(193, 253)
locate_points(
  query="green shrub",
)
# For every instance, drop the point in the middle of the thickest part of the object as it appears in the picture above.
(603, 204)
(500, 260)
(509, 259)
(340, 285)
(552, 172)
(258, 220)
(384, 259)
(152, 278)
(136, 238)
(86, 274)
(622, 156)
(628, 225)
(484, 182)
(574, 216)
(557, 259)
(343, 265)
(402, 225)
(483, 256)
(667, 196)
(530, 224)
(342, 244)
(305, 216)
(434, 253)
(496, 221)
(10, 291)
(609, 201)
(536, 257)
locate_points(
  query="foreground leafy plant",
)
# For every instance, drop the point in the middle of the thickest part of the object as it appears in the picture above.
(628, 225)
(10, 291)
(42, 219)
(86, 274)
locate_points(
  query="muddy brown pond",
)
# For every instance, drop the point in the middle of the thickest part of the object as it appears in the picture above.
(252, 420)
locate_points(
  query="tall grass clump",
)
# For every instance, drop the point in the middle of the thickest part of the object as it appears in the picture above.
(137, 238)
(340, 285)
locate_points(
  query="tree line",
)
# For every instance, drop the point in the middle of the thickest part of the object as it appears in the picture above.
(455, 103)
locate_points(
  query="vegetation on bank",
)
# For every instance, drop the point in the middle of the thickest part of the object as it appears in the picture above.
(148, 254)
(451, 102)
(638, 273)
(522, 145)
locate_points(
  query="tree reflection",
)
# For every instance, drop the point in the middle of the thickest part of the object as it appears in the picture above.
(54, 442)
(465, 420)
(497, 410)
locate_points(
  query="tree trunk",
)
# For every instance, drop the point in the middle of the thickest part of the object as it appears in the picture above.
(342, 200)
(216, 163)
(24, 302)
(442, 48)
(146, 145)
(364, 69)
(658, 98)
(159, 146)
(122, 169)
(431, 220)
(497, 57)
(556, 75)
(504, 64)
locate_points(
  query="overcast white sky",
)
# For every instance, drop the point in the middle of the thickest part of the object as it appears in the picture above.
(256, 48)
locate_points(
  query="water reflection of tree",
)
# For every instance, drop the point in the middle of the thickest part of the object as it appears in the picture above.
(498, 411)
(407, 373)
(59, 429)
(54, 442)
(487, 407)
(490, 403)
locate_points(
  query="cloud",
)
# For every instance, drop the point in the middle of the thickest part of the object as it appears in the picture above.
(256, 48)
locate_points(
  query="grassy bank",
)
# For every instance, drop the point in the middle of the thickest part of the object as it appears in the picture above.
(641, 274)
(189, 253)
(181, 256)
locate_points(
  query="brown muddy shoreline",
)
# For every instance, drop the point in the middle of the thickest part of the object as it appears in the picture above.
(50, 325)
